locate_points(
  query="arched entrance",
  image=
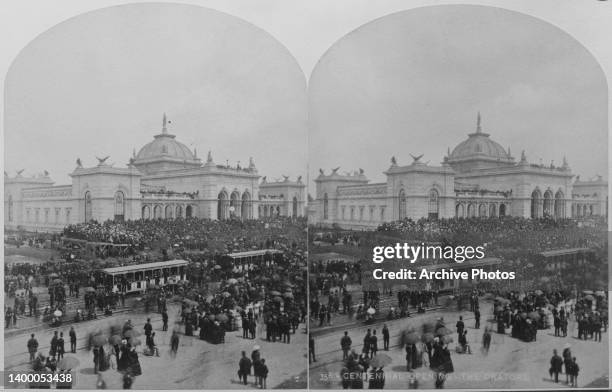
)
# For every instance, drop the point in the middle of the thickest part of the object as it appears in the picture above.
(492, 210)
(325, 207)
(434, 204)
(189, 212)
(471, 210)
(119, 206)
(169, 214)
(482, 211)
(179, 211)
(222, 206)
(295, 206)
(146, 212)
(548, 204)
(88, 207)
(157, 212)
(402, 204)
(245, 207)
(234, 208)
(536, 204)
(502, 210)
(559, 205)
(459, 210)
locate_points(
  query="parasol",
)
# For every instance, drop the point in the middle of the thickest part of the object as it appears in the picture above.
(371, 311)
(412, 338)
(115, 339)
(68, 363)
(600, 293)
(226, 294)
(217, 267)
(134, 341)
(53, 275)
(288, 295)
(277, 299)
(587, 292)
(428, 337)
(57, 313)
(443, 331)
(380, 360)
(131, 333)
(539, 292)
(99, 340)
(221, 318)
(57, 281)
(90, 289)
(256, 347)
(447, 339)
(274, 293)
(232, 281)
(589, 298)
(534, 315)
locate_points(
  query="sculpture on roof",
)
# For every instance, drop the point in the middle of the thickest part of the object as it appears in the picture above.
(393, 161)
(416, 159)
(102, 160)
(335, 171)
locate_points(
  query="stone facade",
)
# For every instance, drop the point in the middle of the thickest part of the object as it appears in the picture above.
(478, 178)
(164, 180)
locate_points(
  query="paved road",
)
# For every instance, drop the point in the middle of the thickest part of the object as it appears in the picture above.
(197, 364)
(510, 362)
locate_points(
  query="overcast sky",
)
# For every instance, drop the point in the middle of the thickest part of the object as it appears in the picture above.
(99, 103)
(413, 82)
(99, 84)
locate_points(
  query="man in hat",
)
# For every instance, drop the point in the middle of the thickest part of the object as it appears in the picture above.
(32, 347)
(345, 343)
(385, 332)
(244, 368)
(148, 328)
(555, 366)
(73, 340)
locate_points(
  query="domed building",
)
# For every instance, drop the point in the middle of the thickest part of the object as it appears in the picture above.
(164, 180)
(478, 178)
(165, 153)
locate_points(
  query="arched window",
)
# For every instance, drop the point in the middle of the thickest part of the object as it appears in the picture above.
(295, 206)
(402, 204)
(559, 205)
(459, 210)
(492, 210)
(536, 203)
(234, 208)
(482, 210)
(179, 211)
(119, 206)
(222, 206)
(361, 213)
(88, 207)
(352, 213)
(548, 203)
(169, 213)
(343, 208)
(245, 207)
(146, 212)
(502, 210)
(434, 204)
(471, 210)
(157, 212)
(325, 207)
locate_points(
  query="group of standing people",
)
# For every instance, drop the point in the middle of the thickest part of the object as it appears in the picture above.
(257, 363)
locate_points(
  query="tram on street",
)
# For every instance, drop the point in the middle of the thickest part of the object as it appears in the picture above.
(139, 277)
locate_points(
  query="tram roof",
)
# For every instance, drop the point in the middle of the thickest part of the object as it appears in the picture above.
(145, 266)
(561, 252)
(252, 253)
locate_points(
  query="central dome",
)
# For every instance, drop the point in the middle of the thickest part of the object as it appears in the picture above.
(479, 151)
(165, 145)
(165, 153)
